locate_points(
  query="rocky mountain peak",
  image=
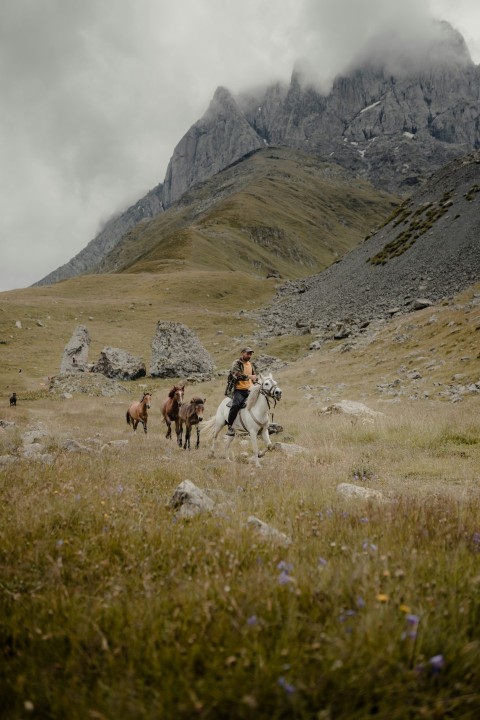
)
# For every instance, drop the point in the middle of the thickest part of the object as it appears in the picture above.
(218, 139)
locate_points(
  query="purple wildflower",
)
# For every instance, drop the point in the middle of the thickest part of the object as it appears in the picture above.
(360, 602)
(412, 619)
(286, 685)
(364, 520)
(252, 620)
(436, 663)
(285, 566)
(322, 561)
(284, 578)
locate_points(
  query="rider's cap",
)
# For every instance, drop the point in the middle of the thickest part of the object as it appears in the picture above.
(247, 350)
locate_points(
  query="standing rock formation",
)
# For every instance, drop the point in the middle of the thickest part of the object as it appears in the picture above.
(75, 355)
(119, 364)
(178, 353)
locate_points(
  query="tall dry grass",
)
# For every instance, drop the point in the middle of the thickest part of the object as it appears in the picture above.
(112, 607)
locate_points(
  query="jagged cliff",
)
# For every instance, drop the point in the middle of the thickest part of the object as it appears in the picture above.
(393, 124)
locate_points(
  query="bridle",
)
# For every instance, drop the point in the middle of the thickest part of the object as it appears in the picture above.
(268, 394)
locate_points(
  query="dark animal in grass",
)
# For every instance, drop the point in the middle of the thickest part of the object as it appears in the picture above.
(171, 408)
(13, 400)
(191, 414)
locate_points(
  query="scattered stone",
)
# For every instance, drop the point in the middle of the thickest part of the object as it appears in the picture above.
(355, 491)
(74, 446)
(421, 303)
(119, 364)
(351, 407)
(189, 500)
(289, 449)
(268, 532)
(93, 384)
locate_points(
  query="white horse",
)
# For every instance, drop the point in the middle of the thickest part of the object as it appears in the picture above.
(252, 419)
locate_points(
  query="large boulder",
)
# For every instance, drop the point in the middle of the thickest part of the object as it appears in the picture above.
(75, 354)
(119, 364)
(178, 353)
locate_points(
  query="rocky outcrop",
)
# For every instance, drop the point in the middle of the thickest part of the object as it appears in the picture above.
(178, 353)
(75, 354)
(119, 365)
(394, 126)
(221, 137)
(426, 253)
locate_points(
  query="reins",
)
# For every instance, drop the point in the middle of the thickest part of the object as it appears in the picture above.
(267, 396)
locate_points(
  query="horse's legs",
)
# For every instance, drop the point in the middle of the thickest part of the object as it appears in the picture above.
(266, 437)
(187, 437)
(178, 430)
(215, 434)
(253, 439)
(134, 423)
(198, 438)
(144, 426)
(169, 429)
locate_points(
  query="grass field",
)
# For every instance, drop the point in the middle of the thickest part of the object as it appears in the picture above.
(113, 607)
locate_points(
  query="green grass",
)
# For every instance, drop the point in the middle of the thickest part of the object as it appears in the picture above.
(110, 607)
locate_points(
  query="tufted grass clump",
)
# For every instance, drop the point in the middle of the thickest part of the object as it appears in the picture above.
(112, 606)
(424, 217)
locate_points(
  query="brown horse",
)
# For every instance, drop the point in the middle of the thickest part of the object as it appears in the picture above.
(171, 408)
(137, 412)
(191, 414)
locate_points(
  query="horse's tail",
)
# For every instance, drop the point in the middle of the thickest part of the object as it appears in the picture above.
(128, 417)
(208, 427)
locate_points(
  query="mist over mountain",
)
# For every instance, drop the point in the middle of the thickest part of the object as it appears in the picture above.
(402, 112)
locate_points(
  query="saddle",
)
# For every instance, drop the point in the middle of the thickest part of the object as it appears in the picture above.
(244, 404)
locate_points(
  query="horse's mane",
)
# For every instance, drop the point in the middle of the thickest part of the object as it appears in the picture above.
(253, 396)
(174, 390)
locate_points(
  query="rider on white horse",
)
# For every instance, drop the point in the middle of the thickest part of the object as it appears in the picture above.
(241, 378)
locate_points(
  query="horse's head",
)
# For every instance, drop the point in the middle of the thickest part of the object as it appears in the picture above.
(199, 407)
(178, 393)
(270, 387)
(147, 399)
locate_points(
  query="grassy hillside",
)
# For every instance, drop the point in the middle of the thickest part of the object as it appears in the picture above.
(276, 211)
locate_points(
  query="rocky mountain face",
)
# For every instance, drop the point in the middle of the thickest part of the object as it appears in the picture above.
(427, 252)
(220, 138)
(391, 124)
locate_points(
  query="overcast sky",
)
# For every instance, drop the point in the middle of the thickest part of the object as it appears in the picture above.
(95, 95)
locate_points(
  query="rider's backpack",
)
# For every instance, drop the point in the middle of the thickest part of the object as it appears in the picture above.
(230, 387)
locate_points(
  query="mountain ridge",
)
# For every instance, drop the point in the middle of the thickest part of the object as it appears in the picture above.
(393, 129)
